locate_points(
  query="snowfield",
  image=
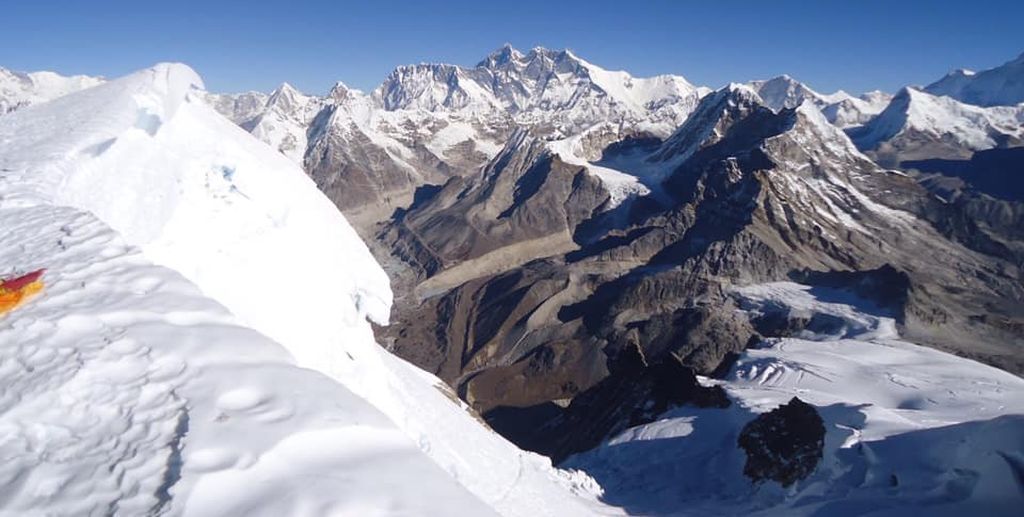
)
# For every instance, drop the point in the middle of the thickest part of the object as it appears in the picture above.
(192, 271)
(126, 391)
(620, 185)
(908, 428)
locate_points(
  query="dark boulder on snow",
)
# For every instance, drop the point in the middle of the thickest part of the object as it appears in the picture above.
(784, 444)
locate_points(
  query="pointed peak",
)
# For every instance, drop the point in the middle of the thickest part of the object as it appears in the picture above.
(286, 97)
(731, 96)
(783, 78)
(903, 98)
(285, 88)
(790, 83)
(341, 91)
(503, 55)
(506, 50)
(739, 90)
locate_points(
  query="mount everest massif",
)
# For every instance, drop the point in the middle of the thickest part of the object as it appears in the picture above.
(531, 286)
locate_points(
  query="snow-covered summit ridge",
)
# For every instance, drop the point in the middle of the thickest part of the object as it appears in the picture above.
(533, 83)
(147, 157)
(126, 388)
(127, 391)
(230, 201)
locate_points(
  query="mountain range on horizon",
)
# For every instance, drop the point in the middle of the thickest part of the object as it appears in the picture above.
(531, 286)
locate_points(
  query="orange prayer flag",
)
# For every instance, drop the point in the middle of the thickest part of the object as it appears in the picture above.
(14, 291)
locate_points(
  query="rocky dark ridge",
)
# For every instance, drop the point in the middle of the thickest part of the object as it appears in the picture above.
(634, 393)
(783, 445)
(514, 287)
(983, 200)
(998, 173)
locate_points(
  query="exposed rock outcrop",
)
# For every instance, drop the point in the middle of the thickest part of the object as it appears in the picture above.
(783, 445)
(634, 393)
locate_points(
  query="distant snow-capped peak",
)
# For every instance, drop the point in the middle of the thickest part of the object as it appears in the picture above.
(840, 108)
(18, 89)
(999, 86)
(534, 85)
(785, 92)
(920, 125)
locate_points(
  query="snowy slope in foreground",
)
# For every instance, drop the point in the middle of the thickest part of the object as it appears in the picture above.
(126, 391)
(200, 196)
(908, 428)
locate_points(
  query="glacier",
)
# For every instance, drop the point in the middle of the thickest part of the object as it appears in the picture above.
(909, 428)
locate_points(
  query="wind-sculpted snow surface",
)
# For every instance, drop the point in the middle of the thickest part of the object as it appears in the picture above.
(202, 197)
(188, 190)
(908, 428)
(128, 392)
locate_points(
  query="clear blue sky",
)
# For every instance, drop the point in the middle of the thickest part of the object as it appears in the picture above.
(241, 45)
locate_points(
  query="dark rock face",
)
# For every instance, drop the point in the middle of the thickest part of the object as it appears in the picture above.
(634, 393)
(523, 195)
(514, 288)
(784, 444)
(996, 172)
(982, 200)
